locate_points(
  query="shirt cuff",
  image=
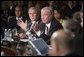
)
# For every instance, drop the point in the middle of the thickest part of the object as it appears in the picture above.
(28, 33)
(38, 33)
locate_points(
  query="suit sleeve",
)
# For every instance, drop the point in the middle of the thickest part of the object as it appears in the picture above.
(45, 37)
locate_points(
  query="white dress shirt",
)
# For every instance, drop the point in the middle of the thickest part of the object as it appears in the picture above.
(20, 18)
(11, 7)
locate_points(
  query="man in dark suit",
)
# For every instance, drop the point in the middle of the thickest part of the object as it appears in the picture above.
(48, 25)
(76, 31)
(47, 20)
(34, 15)
(13, 21)
(11, 8)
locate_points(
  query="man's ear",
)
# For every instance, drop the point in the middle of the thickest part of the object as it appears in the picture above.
(51, 15)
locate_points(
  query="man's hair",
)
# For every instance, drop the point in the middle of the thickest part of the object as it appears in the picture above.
(48, 8)
(72, 26)
(76, 17)
(34, 8)
(64, 41)
(19, 7)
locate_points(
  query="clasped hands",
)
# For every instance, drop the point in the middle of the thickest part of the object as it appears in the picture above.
(24, 25)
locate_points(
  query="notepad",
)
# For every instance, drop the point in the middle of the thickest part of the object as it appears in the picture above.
(40, 46)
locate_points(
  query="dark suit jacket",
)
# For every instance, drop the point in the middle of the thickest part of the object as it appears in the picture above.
(69, 54)
(13, 23)
(11, 12)
(72, 54)
(55, 25)
(78, 46)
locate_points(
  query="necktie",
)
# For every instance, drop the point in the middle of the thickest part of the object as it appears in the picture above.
(47, 32)
(30, 25)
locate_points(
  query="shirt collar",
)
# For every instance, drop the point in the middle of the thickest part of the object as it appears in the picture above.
(20, 18)
(48, 25)
(11, 6)
(33, 22)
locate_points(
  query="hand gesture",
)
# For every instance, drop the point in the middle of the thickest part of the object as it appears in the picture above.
(35, 27)
(22, 24)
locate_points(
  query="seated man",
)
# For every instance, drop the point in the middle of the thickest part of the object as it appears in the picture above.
(46, 27)
(62, 44)
(13, 21)
(73, 27)
(34, 15)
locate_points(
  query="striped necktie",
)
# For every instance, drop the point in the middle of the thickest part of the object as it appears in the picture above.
(47, 30)
(30, 25)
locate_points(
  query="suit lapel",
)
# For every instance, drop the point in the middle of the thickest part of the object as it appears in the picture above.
(42, 28)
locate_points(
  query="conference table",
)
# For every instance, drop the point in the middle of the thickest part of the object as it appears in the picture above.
(14, 48)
